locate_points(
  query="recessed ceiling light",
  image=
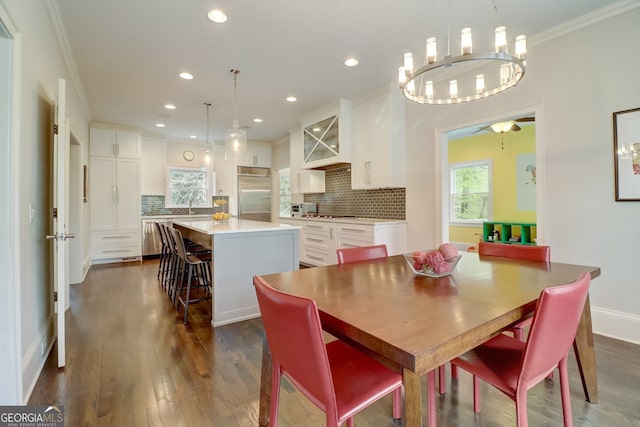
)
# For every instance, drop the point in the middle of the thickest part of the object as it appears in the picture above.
(192, 136)
(186, 76)
(292, 99)
(160, 125)
(316, 129)
(257, 120)
(217, 16)
(351, 62)
(170, 106)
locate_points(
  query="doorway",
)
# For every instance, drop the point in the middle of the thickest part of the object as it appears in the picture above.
(445, 135)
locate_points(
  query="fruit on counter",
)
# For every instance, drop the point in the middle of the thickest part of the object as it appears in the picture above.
(220, 202)
(220, 216)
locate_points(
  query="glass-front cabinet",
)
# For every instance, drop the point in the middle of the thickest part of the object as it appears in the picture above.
(321, 140)
(326, 136)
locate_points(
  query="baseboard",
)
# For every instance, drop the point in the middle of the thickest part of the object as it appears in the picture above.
(36, 356)
(616, 324)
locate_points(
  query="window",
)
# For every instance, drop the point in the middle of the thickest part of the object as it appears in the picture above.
(186, 185)
(285, 192)
(471, 197)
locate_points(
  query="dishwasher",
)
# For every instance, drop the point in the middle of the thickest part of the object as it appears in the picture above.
(151, 243)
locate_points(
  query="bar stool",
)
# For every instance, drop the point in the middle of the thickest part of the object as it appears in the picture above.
(195, 270)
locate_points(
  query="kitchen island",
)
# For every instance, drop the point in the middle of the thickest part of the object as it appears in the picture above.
(241, 249)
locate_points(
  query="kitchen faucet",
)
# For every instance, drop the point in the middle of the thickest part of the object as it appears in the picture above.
(193, 196)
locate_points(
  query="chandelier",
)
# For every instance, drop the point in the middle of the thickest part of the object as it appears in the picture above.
(466, 77)
(235, 139)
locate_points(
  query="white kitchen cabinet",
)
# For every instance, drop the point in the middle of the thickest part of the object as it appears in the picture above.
(107, 142)
(319, 239)
(302, 180)
(379, 145)
(326, 137)
(258, 155)
(114, 176)
(318, 244)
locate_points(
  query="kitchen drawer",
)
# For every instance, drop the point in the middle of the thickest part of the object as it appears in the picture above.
(316, 227)
(357, 231)
(115, 245)
(348, 241)
(316, 256)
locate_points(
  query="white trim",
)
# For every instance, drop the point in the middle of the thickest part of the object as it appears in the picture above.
(63, 41)
(13, 327)
(36, 355)
(442, 180)
(591, 18)
(616, 324)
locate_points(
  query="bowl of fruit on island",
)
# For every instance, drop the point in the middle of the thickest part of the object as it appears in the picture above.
(435, 262)
(221, 216)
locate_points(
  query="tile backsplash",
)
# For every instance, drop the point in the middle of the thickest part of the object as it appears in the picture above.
(340, 199)
(154, 205)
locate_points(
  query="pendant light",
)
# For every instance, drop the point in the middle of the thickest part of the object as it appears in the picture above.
(207, 148)
(235, 140)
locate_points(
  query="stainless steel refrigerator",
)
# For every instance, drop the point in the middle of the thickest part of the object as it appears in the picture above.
(254, 193)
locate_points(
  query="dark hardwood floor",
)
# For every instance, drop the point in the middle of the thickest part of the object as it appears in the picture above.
(132, 362)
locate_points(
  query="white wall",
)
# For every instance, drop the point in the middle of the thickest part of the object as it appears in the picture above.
(577, 80)
(42, 63)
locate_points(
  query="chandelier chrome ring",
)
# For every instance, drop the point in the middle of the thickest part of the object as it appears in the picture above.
(448, 62)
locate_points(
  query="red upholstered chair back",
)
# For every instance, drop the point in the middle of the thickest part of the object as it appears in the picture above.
(554, 326)
(533, 253)
(363, 253)
(294, 333)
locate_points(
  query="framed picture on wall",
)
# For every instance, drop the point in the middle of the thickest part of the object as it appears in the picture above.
(626, 154)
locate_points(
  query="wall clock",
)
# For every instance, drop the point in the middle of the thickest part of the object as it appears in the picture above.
(188, 155)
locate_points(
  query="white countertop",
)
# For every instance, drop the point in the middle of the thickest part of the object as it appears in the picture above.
(363, 221)
(169, 216)
(233, 225)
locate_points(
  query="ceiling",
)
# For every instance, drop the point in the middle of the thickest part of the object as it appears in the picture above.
(128, 54)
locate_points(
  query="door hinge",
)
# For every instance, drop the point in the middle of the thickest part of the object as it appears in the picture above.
(55, 296)
(55, 212)
(55, 129)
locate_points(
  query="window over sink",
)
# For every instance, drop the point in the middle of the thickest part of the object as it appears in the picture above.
(188, 187)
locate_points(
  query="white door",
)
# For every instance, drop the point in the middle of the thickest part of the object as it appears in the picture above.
(59, 217)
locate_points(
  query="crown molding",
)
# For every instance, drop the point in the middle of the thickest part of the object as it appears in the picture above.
(65, 47)
(591, 18)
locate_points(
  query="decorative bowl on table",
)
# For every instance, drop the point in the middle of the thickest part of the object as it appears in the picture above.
(431, 263)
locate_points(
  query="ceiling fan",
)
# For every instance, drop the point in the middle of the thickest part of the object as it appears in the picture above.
(506, 126)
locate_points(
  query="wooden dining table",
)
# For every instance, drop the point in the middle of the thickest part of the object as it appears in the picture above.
(416, 323)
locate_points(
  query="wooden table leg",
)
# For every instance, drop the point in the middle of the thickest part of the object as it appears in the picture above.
(586, 354)
(412, 398)
(265, 385)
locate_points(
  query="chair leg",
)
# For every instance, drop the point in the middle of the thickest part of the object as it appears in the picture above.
(476, 394)
(350, 422)
(564, 391)
(454, 371)
(397, 403)
(186, 301)
(275, 395)
(442, 386)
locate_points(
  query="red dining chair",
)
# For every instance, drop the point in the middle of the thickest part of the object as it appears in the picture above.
(533, 253)
(336, 377)
(363, 253)
(514, 366)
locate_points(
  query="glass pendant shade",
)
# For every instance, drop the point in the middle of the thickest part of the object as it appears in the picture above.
(235, 142)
